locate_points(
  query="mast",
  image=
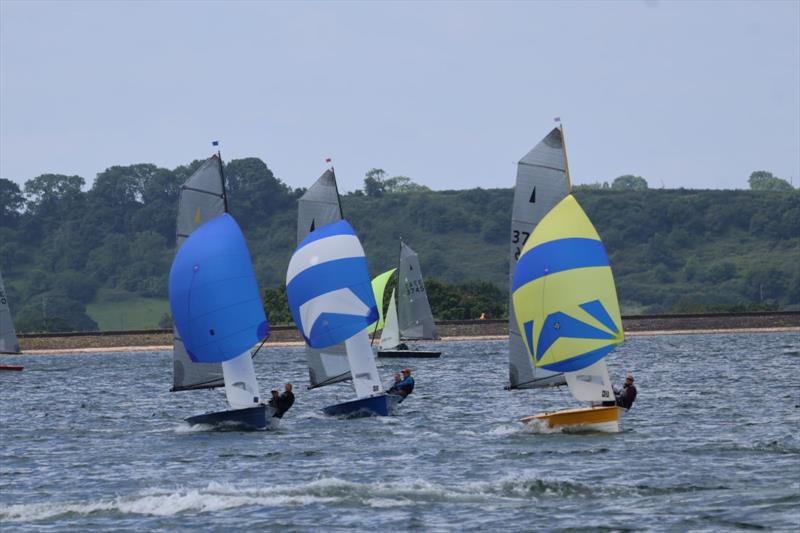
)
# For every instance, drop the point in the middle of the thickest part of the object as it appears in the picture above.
(222, 177)
(566, 161)
(338, 197)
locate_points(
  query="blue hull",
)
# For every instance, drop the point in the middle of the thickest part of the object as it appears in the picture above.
(382, 405)
(252, 418)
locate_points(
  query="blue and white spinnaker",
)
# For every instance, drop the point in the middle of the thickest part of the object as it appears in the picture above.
(331, 299)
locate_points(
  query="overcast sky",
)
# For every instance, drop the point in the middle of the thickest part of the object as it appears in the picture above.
(452, 94)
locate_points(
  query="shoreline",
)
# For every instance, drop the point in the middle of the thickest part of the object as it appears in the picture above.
(453, 338)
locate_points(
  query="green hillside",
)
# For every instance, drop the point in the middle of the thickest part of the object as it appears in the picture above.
(83, 259)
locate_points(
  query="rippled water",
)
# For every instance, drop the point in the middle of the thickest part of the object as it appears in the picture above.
(95, 442)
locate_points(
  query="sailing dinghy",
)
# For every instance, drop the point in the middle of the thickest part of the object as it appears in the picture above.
(412, 318)
(332, 302)
(318, 207)
(542, 181)
(218, 312)
(202, 197)
(567, 311)
(8, 335)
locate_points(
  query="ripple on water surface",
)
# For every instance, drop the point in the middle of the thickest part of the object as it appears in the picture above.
(94, 442)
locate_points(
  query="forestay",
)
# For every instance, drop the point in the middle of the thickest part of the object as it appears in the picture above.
(202, 197)
(331, 299)
(542, 182)
(318, 207)
(8, 335)
(566, 302)
(413, 310)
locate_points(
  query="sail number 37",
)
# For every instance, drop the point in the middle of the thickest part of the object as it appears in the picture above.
(516, 236)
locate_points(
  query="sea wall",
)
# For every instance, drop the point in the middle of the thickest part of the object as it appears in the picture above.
(655, 324)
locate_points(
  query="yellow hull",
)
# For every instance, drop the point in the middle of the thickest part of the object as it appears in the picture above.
(585, 418)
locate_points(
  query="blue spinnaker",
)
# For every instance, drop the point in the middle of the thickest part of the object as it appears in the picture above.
(213, 294)
(328, 286)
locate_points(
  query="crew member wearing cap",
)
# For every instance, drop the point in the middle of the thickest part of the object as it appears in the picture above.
(406, 387)
(627, 395)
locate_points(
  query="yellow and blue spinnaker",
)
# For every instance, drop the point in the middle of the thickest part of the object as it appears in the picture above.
(563, 292)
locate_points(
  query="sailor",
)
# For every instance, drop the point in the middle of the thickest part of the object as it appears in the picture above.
(283, 402)
(406, 386)
(627, 395)
(394, 388)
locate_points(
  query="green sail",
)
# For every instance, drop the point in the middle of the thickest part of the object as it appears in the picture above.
(378, 288)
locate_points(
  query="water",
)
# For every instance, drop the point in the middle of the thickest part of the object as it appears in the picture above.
(95, 442)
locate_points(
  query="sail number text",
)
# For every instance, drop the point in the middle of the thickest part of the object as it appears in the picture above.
(516, 236)
(414, 286)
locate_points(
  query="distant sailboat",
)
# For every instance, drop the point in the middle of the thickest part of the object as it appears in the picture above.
(318, 207)
(542, 182)
(332, 302)
(412, 318)
(567, 310)
(8, 335)
(217, 309)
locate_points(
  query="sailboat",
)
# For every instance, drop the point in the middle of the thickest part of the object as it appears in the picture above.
(218, 312)
(202, 197)
(8, 335)
(331, 300)
(542, 182)
(318, 207)
(566, 307)
(412, 318)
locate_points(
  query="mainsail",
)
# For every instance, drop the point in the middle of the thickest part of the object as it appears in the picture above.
(202, 198)
(566, 302)
(331, 299)
(217, 307)
(542, 182)
(413, 310)
(318, 207)
(8, 336)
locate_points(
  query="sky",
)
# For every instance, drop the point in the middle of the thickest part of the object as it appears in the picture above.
(451, 94)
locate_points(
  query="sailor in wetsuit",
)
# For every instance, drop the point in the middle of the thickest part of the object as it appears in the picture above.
(627, 395)
(283, 402)
(406, 387)
(394, 388)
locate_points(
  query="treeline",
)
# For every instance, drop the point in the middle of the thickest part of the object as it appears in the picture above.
(671, 250)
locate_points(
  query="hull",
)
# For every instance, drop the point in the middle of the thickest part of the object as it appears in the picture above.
(409, 354)
(251, 418)
(382, 405)
(604, 419)
(11, 367)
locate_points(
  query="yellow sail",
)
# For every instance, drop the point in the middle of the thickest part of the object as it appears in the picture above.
(563, 292)
(379, 283)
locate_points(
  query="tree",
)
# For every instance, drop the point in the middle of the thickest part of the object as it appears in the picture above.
(373, 183)
(761, 180)
(629, 182)
(402, 184)
(11, 201)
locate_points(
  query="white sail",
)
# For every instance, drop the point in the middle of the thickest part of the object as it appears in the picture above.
(8, 335)
(542, 182)
(319, 206)
(202, 198)
(366, 380)
(414, 311)
(591, 384)
(241, 385)
(390, 336)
